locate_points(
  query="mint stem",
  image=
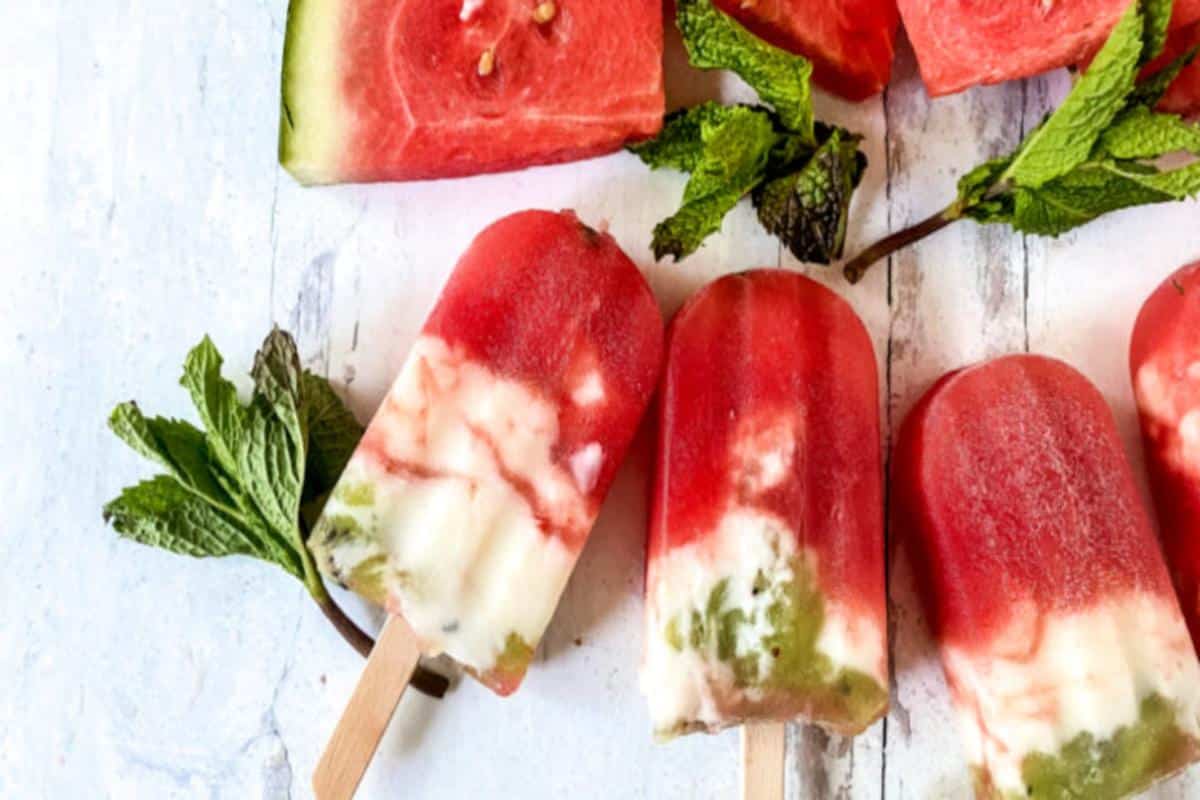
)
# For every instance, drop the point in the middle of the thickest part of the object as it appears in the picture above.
(857, 267)
(423, 680)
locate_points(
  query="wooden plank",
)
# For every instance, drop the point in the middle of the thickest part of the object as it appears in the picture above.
(955, 298)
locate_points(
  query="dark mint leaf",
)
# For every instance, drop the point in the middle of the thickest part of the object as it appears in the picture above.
(808, 208)
(734, 161)
(277, 379)
(715, 41)
(333, 433)
(1065, 140)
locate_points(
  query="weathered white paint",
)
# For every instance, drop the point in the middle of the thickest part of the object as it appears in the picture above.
(144, 208)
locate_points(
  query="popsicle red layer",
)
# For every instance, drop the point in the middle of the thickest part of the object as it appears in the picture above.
(1164, 360)
(1061, 638)
(475, 486)
(964, 43)
(765, 575)
(378, 90)
(850, 42)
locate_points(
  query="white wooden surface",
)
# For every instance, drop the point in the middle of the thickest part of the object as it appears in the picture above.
(143, 208)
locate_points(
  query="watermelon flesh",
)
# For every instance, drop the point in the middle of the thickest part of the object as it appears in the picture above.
(850, 42)
(1184, 95)
(377, 90)
(1164, 364)
(964, 43)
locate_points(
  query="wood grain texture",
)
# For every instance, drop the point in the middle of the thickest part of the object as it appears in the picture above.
(356, 737)
(764, 746)
(955, 298)
(145, 208)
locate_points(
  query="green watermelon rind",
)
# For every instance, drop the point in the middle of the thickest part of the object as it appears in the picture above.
(310, 112)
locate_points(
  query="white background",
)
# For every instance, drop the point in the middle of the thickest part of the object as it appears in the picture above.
(143, 208)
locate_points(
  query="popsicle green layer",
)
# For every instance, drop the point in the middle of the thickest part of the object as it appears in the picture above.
(455, 513)
(737, 627)
(1099, 703)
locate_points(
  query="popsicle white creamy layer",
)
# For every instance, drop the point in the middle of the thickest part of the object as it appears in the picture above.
(474, 488)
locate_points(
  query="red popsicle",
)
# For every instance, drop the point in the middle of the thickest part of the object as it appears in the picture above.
(765, 577)
(1164, 360)
(473, 490)
(1061, 639)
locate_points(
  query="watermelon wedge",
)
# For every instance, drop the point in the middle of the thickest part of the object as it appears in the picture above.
(850, 42)
(377, 90)
(964, 43)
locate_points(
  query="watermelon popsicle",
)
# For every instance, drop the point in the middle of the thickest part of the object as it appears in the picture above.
(1066, 654)
(474, 488)
(1164, 360)
(765, 574)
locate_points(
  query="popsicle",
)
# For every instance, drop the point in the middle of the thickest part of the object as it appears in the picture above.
(765, 572)
(474, 488)
(1061, 639)
(1164, 360)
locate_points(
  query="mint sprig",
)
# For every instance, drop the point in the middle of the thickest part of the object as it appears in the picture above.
(801, 174)
(247, 482)
(714, 40)
(1097, 153)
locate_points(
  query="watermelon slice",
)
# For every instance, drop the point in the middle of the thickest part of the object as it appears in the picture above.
(850, 42)
(964, 43)
(1184, 95)
(377, 90)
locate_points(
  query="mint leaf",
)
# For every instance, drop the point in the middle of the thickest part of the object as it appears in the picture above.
(1077, 198)
(679, 145)
(175, 445)
(1099, 152)
(715, 41)
(977, 195)
(1157, 16)
(271, 459)
(1145, 134)
(162, 513)
(802, 195)
(216, 402)
(333, 433)
(237, 487)
(736, 149)
(1065, 140)
(809, 207)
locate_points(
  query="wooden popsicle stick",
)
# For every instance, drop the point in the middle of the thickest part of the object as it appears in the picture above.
(763, 751)
(389, 668)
